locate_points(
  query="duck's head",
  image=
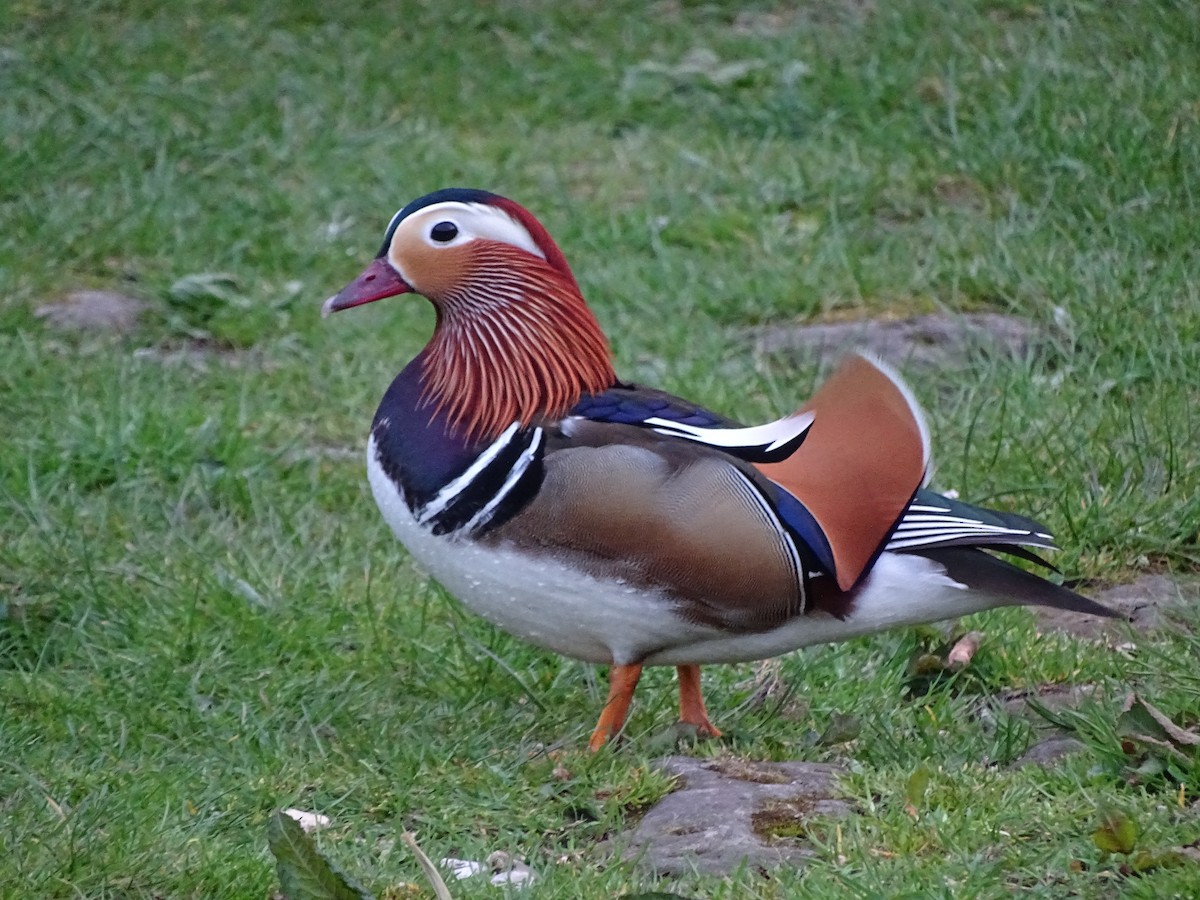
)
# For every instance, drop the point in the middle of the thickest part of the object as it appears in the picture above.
(514, 339)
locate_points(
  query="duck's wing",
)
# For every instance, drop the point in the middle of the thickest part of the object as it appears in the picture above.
(666, 518)
(846, 465)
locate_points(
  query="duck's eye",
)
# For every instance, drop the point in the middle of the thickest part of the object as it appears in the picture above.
(444, 232)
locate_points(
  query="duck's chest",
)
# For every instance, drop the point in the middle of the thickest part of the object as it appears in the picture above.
(529, 592)
(446, 497)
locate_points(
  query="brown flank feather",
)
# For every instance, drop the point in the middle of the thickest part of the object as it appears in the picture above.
(859, 466)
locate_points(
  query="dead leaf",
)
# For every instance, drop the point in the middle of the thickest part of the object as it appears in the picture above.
(1158, 747)
(427, 867)
(964, 650)
(1139, 716)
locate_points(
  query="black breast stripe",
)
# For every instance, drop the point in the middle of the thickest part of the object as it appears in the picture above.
(492, 488)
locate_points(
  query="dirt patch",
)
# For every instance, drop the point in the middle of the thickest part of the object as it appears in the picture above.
(1050, 697)
(199, 354)
(922, 342)
(93, 311)
(748, 770)
(785, 821)
(770, 22)
(730, 811)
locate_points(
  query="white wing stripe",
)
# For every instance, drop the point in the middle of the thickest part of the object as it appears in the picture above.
(913, 542)
(771, 436)
(951, 532)
(959, 526)
(956, 519)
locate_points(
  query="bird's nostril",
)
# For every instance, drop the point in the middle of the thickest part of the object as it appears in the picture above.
(369, 278)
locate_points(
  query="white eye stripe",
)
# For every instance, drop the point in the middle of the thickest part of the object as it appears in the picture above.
(475, 220)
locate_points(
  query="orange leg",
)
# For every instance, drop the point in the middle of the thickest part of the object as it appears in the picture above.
(622, 681)
(691, 702)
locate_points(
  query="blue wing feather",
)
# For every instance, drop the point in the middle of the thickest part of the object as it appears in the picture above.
(629, 404)
(802, 525)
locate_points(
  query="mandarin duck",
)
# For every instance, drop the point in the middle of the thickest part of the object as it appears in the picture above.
(621, 525)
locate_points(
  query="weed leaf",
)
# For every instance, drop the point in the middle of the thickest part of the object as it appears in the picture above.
(842, 728)
(1117, 833)
(914, 790)
(304, 874)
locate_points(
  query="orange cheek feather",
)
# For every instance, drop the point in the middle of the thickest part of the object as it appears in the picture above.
(432, 271)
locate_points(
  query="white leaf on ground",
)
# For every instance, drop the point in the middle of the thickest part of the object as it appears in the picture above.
(309, 821)
(520, 875)
(461, 868)
(510, 871)
(504, 868)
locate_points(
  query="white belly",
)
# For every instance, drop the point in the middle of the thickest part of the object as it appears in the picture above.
(608, 621)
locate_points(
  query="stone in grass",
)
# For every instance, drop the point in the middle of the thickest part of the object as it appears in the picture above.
(729, 812)
(1049, 752)
(941, 340)
(93, 311)
(1039, 705)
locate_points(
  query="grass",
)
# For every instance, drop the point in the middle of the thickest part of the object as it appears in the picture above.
(202, 617)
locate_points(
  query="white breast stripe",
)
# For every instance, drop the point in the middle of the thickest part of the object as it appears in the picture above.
(519, 468)
(769, 437)
(446, 495)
